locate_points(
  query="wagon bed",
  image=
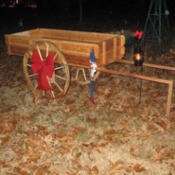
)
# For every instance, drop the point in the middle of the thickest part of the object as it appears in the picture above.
(53, 57)
(75, 45)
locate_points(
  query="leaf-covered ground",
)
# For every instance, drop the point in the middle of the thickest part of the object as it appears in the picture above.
(116, 135)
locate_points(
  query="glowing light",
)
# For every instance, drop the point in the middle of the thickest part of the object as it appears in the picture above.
(137, 56)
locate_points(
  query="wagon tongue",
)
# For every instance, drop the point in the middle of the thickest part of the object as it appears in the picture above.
(44, 69)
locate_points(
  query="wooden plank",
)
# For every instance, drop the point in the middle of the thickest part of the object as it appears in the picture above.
(80, 66)
(76, 34)
(52, 33)
(15, 50)
(17, 39)
(142, 77)
(109, 56)
(156, 66)
(77, 47)
(132, 75)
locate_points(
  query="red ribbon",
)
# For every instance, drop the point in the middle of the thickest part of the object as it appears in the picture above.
(44, 69)
(138, 34)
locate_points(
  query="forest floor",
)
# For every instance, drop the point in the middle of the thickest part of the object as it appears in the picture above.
(115, 136)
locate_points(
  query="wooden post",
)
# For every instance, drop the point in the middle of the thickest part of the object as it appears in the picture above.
(8, 44)
(169, 98)
(104, 52)
(114, 48)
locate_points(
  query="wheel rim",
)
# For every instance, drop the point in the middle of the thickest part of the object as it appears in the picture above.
(61, 76)
(82, 75)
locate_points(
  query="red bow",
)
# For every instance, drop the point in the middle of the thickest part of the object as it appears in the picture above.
(44, 69)
(138, 34)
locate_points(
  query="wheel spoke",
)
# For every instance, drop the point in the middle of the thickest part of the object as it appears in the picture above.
(55, 56)
(61, 67)
(47, 49)
(53, 94)
(84, 75)
(29, 65)
(39, 52)
(33, 75)
(35, 85)
(77, 74)
(58, 86)
(59, 77)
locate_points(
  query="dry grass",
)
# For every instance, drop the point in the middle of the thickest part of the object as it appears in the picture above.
(73, 137)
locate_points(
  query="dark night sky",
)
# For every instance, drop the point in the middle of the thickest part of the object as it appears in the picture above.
(126, 8)
(107, 12)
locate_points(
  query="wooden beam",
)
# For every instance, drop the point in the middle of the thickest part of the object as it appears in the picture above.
(132, 75)
(142, 77)
(169, 98)
(149, 65)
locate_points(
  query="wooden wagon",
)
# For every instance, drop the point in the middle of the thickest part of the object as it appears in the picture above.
(70, 53)
(70, 50)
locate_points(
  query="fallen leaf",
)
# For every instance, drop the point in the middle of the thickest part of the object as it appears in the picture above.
(162, 124)
(170, 173)
(92, 120)
(111, 131)
(144, 136)
(134, 150)
(159, 156)
(70, 101)
(7, 127)
(116, 167)
(138, 168)
(129, 168)
(94, 170)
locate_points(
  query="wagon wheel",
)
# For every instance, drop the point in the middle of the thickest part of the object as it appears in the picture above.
(60, 79)
(82, 75)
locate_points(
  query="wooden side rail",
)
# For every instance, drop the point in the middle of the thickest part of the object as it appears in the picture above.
(142, 77)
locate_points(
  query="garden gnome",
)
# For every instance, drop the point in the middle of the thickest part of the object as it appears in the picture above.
(93, 66)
